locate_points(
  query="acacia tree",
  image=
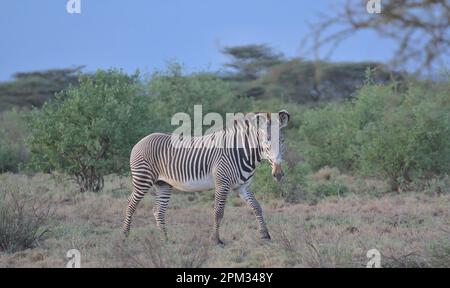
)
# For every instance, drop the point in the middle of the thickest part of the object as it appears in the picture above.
(249, 61)
(311, 81)
(32, 89)
(420, 29)
(88, 131)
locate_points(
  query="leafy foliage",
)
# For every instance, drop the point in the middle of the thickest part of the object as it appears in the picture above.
(32, 89)
(412, 136)
(250, 61)
(385, 131)
(13, 132)
(329, 134)
(88, 131)
(292, 188)
(313, 81)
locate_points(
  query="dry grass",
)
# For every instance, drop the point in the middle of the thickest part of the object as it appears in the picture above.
(150, 251)
(23, 218)
(409, 229)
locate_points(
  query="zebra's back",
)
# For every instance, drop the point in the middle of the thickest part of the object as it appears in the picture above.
(189, 168)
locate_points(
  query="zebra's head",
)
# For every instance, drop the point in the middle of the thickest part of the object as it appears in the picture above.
(271, 139)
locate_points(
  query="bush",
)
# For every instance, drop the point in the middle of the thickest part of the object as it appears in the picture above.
(399, 134)
(329, 133)
(327, 182)
(88, 131)
(13, 131)
(411, 137)
(298, 184)
(291, 188)
(263, 184)
(23, 219)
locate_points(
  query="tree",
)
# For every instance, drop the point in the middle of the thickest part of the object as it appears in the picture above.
(88, 131)
(171, 92)
(32, 89)
(250, 61)
(421, 29)
(311, 81)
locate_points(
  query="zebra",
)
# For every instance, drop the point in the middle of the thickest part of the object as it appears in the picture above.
(156, 162)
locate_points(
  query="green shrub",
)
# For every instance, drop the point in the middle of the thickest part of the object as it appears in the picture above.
(299, 185)
(411, 137)
(88, 131)
(263, 183)
(329, 133)
(13, 132)
(398, 134)
(291, 188)
(326, 182)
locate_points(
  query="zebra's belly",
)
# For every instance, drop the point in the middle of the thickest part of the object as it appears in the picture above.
(204, 184)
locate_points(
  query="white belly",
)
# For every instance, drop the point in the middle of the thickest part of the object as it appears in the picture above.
(204, 184)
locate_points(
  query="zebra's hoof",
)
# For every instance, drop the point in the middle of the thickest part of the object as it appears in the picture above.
(219, 242)
(266, 238)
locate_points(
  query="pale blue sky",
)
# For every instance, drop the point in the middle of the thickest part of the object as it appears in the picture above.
(145, 34)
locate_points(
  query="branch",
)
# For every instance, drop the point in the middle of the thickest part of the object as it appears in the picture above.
(420, 28)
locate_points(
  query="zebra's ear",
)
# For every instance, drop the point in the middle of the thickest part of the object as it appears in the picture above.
(283, 116)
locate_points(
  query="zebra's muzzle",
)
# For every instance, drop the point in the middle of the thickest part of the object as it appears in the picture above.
(277, 172)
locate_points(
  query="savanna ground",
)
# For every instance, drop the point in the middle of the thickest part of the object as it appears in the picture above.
(409, 229)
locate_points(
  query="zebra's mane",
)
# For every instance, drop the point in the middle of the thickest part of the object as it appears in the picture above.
(239, 122)
(234, 124)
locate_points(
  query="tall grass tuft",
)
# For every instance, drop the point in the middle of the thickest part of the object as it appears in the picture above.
(23, 219)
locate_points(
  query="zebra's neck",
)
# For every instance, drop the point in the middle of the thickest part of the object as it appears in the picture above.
(244, 140)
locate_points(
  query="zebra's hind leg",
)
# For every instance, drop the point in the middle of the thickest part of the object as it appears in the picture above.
(220, 197)
(247, 195)
(133, 201)
(142, 182)
(163, 193)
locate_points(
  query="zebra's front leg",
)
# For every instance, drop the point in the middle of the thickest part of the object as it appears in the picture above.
(247, 195)
(163, 193)
(220, 197)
